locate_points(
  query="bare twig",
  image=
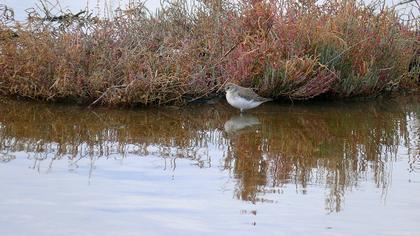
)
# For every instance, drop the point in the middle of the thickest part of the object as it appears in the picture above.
(105, 93)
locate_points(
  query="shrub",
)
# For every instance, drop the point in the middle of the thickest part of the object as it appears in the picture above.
(183, 52)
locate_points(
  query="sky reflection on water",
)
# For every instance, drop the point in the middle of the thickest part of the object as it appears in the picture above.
(321, 169)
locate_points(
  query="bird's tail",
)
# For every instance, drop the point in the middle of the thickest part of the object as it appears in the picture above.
(268, 99)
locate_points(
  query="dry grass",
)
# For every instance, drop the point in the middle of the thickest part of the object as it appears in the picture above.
(284, 49)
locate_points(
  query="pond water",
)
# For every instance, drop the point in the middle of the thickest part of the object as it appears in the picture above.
(331, 168)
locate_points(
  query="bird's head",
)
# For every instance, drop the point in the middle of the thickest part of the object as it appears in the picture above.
(230, 87)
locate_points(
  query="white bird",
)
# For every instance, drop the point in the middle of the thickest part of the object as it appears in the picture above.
(243, 98)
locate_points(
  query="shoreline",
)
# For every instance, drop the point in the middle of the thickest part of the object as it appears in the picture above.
(215, 101)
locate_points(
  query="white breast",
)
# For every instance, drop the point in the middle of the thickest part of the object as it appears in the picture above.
(239, 102)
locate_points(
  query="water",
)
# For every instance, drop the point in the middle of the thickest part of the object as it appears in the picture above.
(332, 168)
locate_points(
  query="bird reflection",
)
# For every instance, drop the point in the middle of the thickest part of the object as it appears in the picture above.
(245, 156)
(331, 146)
(240, 123)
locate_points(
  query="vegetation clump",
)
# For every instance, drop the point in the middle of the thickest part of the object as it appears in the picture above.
(295, 49)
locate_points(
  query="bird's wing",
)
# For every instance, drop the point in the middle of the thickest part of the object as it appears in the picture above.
(251, 95)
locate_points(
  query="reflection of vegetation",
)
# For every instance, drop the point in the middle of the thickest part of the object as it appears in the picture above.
(334, 146)
(75, 133)
(330, 145)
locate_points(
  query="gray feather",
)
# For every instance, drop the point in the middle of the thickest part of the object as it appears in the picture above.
(249, 94)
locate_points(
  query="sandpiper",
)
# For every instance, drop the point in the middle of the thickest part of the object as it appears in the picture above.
(243, 98)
